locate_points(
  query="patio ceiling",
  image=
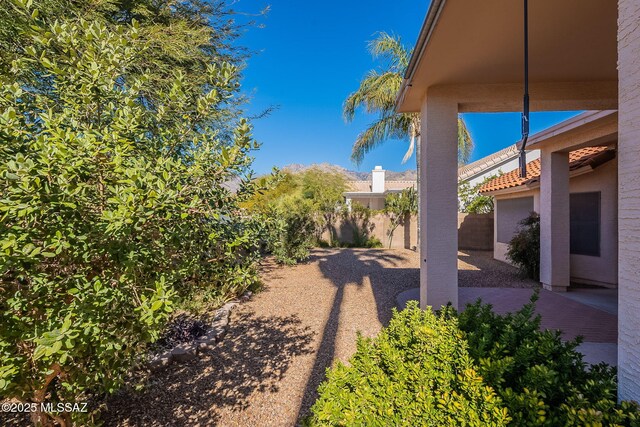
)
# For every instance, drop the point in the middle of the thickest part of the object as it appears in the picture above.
(481, 42)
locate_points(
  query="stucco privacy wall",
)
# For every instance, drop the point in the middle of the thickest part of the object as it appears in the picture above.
(475, 231)
(602, 270)
(404, 237)
(629, 199)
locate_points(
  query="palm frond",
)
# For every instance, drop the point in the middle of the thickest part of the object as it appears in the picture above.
(465, 143)
(376, 94)
(414, 136)
(410, 149)
(389, 47)
(395, 126)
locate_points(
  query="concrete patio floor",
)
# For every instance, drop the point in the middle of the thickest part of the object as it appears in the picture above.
(590, 313)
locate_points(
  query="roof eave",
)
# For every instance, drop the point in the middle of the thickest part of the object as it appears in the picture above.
(537, 140)
(423, 39)
(362, 193)
(517, 189)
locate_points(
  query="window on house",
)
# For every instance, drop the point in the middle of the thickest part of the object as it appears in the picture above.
(509, 214)
(585, 223)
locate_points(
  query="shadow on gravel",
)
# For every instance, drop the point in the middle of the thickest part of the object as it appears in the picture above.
(254, 356)
(348, 267)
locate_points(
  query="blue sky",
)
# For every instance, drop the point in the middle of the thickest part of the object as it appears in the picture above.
(310, 56)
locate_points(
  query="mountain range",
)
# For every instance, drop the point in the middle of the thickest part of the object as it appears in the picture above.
(408, 175)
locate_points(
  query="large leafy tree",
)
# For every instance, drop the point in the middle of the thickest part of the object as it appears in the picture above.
(377, 95)
(179, 36)
(114, 205)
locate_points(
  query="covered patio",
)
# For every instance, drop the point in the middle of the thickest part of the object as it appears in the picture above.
(583, 55)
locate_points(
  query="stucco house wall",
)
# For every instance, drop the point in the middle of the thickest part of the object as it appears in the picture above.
(500, 248)
(629, 201)
(372, 194)
(602, 270)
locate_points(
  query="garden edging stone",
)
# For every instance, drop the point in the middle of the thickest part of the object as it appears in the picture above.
(189, 351)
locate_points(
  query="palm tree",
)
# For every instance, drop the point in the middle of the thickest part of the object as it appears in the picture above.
(377, 95)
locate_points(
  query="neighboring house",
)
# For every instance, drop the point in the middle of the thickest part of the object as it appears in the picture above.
(593, 212)
(500, 162)
(371, 194)
(584, 57)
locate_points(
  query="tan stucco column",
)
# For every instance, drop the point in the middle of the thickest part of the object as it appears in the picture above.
(554, 221)
(438, 216)
(629, 200)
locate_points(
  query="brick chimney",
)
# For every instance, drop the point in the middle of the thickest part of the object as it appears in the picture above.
(377, 180)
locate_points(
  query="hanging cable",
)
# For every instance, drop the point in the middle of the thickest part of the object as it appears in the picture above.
(525, 101)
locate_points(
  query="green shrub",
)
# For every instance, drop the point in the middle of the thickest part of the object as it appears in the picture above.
(471, 201)
(416, 372)
(112, 208)
(541, 379)
(291, 230)
(399, 207)
(324, 190)
(298, 209)
(476, 368)
(371, 243)
(524, 247)
(359, 218)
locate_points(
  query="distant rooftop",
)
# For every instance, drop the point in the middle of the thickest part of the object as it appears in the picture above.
(476, 168)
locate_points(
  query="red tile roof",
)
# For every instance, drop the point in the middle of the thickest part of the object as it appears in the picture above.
(589, 156)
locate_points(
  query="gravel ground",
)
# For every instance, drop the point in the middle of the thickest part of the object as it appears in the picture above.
(267, 369)
(478, 269)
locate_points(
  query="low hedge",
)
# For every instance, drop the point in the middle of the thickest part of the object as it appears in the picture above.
(416, 372)
(476, 368)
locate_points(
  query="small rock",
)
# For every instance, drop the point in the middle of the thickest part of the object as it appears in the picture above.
(230, 305)
(220, 323)
(184, 352)
(206, 343)
(247, 296)
(218, 332)
(161, 361)
(222, 313)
